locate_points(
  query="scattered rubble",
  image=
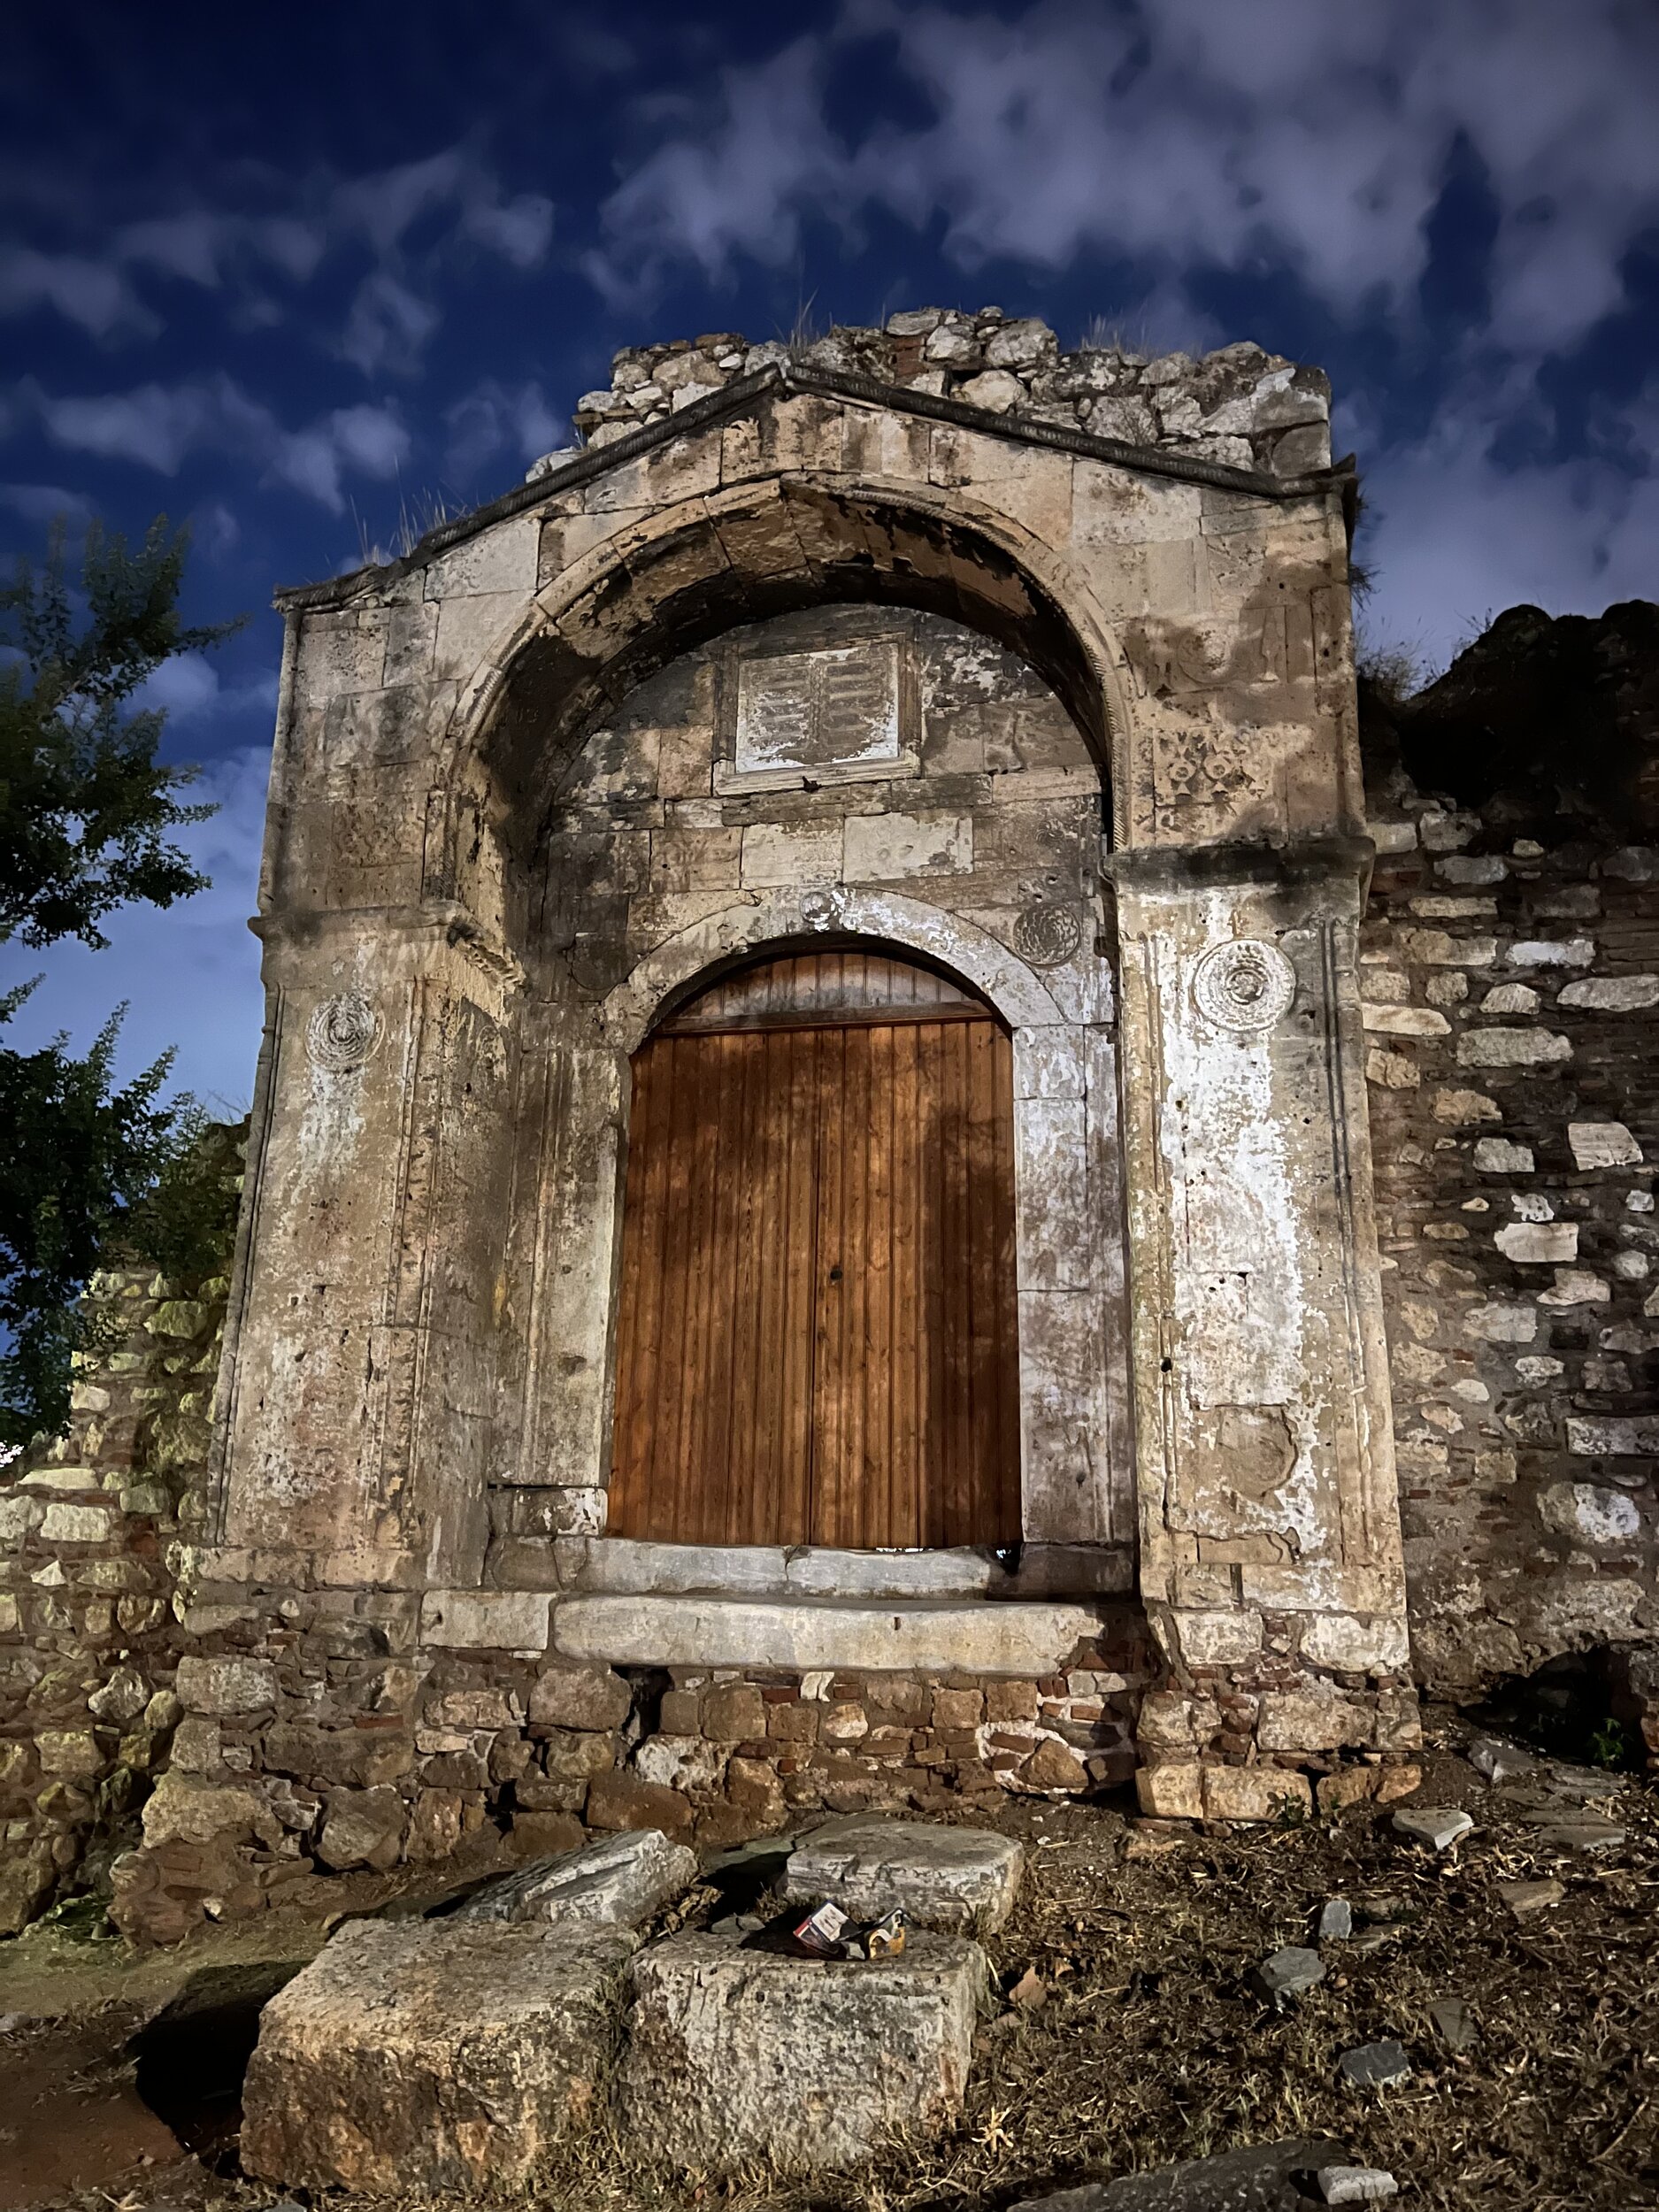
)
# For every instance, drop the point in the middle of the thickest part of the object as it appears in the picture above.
(1375, 2065)
(1438, 1825)
(1355, 2185)
(1523, 1899)
(1287, 1973)
(1454, 2023)
(1265, 2178)
(1497, 1762)
(1592, 1836)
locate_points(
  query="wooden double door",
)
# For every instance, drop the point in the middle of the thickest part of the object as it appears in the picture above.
(816, 1329)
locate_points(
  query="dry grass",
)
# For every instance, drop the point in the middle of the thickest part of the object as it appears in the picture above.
(1150, 2047)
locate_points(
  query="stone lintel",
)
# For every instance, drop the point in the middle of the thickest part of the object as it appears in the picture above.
(900, 1636)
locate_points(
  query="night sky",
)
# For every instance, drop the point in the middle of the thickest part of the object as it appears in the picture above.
(295, 275)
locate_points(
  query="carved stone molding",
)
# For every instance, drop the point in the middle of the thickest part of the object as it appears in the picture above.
(341, 1034)
(1047, 936)
(1244, 986)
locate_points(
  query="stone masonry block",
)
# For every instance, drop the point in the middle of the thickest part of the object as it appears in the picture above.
(957, 1880)
(1254, 1793)
(485, 1620)
(420, 2056)
(735, 2055)
(226, 1688)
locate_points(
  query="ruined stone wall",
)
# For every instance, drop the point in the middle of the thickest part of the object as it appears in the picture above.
(1509, 985)
(1250, 409)
(507, 826)
(348, 1741)
(92, 1532)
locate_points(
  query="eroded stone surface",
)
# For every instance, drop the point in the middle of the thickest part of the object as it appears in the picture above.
(735, 2055)
(1265, 2178)
(619, 1882)
(963, 1880)
(414, 2057)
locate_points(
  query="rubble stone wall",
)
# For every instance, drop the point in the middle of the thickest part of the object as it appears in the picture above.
(1511, 986)
(92, 1529)
(352, 1746)
(1240, 405)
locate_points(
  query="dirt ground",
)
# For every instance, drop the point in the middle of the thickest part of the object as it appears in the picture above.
(1145, 2043)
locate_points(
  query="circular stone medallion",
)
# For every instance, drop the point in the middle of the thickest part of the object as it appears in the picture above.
(1047, 936)
(341, 1032)
(1243, 985)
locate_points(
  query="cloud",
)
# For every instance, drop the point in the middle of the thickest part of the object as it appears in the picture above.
(739, 186)
(1264, 134)
(94, 294)
(1457, 537)
(189, 974)
(157, 427)
(410, 221)
(493, 419)
(188, 689)
(43, 504)
(367, 440)
(387, 326)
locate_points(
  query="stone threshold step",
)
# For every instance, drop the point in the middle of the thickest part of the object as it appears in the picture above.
(978, 1636)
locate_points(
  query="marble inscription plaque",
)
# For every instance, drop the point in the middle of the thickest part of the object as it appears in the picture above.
(832, 714)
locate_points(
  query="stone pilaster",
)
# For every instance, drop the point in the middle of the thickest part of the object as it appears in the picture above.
(1270, 1561)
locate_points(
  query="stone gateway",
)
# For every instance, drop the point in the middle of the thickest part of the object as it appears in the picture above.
(810, 1238)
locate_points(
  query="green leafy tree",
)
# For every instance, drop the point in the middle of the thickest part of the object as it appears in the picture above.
(86, 810)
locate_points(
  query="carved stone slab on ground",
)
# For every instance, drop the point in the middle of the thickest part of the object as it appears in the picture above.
(620, 1881)
(423, 2057)
(735, 2055)
(956, 1879)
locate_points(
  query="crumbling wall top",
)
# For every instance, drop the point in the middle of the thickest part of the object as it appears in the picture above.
(1240, 406)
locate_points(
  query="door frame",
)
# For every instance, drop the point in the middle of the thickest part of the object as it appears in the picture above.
(1077, 1476)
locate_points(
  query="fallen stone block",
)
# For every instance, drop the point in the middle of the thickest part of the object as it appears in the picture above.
(1355, 2185)
(1525, 1898)
(1375, 2065)
(420, 2056)
(1287, 1973)
(955, 1879)
(735, 2055)
(1263, 2178)
(1437, 1825)
(618, 1882)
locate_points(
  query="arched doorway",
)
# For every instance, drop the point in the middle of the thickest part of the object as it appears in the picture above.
(817, 1338)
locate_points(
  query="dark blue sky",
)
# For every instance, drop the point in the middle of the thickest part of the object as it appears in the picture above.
(295, 274)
